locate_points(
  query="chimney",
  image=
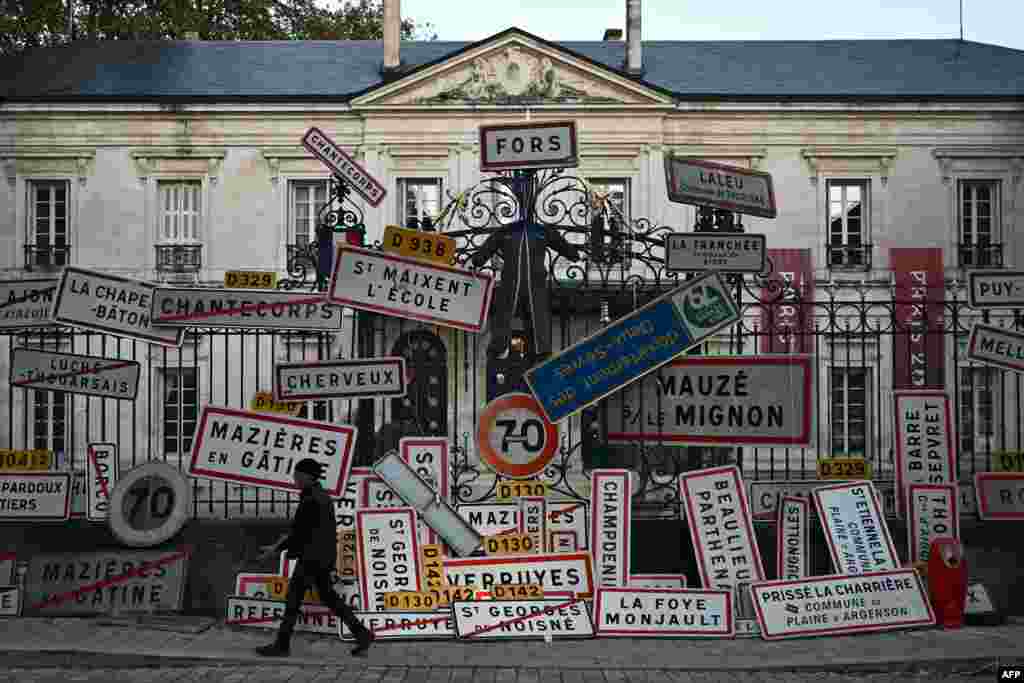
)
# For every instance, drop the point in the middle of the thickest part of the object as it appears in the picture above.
(392, 33)
(612, 34)
(69, 15)
(634, 56)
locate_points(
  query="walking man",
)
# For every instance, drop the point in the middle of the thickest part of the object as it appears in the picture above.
(313, 543)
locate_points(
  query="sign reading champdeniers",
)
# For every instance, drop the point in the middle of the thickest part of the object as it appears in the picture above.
(26, 303)
(363, 378)
(924, 441)
(830, 605)
(110, 303)
(358, 178)
(611, 500)
(210, 307)
(858, 537)
(719, 400)
(89, 375)
(261, 449)
(410, 288)
(632, 346)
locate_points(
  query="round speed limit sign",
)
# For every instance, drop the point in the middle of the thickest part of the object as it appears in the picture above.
(514, 437)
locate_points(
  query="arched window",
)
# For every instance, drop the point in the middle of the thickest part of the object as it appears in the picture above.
(426, 397)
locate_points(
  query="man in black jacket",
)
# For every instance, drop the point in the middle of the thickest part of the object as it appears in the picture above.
(313, 542)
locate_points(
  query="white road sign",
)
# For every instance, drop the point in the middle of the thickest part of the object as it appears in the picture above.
(858, 537)
(694, 181)
(832, 605)
(551, 144)
(35, 496)
(388, 553)
(924, 441)
(730, 252)
(719, 400)
(995, 288)
(75, 374)
(996, 346)
(362, 378)
(357, 177)
(556, 572)
(261, 449)
(26, 303)
(518, 619)
(765, 495)
(244, 308)
(671, 581)
(1000, 495)
(267, 614)
(570, 516)
(718, 517)
(611, 499)
(395, 625)
(428, 456)
(792, 534)
(933, 514)
(665, 613)
(491, 519)
(533, 518)
(410, 288)
(346, 504)
(10, 601)
(101, 473)
(117, 305)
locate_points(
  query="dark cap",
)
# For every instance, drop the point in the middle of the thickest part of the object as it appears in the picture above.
(309, 466)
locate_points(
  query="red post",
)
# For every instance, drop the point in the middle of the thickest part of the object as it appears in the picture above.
(947, 581)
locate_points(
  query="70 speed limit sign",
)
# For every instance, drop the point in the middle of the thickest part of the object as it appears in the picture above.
(514, 437)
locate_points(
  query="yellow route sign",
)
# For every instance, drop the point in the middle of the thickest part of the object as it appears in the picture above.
(36, 460)
(426, 246)
(263, 402)
(250, 279)
(518, 591)
(844, 468)
(1008, 461)
(509, 544)
(510, 490)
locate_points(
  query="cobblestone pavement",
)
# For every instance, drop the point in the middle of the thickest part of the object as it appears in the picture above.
(379, 674)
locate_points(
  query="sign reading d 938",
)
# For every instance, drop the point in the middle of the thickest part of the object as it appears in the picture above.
(631, 347)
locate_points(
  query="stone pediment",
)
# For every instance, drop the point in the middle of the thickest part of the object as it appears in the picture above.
(513, 70)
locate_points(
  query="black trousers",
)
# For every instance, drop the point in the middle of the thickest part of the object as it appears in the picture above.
(313, 574)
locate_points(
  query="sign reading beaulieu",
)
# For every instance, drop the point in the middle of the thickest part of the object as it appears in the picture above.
(357, 177)
(631, 347)
(245, 308)
(720, 400)
(694, 181)
(25, 303)
(551, 144)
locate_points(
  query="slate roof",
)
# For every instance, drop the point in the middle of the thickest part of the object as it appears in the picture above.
(340, 70)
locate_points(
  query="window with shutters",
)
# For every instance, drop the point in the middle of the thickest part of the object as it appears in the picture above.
(849, 411)
(418, 198)
(180, 409)
(977, 413)
(848, 246)
(979, 220)
(46, 240)
(180, 216)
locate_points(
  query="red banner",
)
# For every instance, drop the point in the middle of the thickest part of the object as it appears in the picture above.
(788, 321)
(919, 359)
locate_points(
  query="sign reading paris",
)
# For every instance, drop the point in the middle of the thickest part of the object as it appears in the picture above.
(693, 181)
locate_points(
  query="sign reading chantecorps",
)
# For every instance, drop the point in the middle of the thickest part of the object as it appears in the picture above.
(719, 400)
(89, 375)
(924, 441)
(363, 378)
(718, 517)
(209, 307)
(25, 303)
(357, 177)
(261, 449)
(110, 303)
(409, 288)
(858, 537)
(611, 502)
(830, 605)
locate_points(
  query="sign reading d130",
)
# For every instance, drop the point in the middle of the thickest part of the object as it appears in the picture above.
(694, 181)
(631, 347)
(89, 375)
(410, 288)
(719, 400)
(261, 449)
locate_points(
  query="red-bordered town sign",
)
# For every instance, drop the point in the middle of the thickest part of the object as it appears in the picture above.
(515, 438)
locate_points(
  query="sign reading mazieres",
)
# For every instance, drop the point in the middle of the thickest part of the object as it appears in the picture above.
(733, 252)
(358, 178)
(363, 378)
(694, 181)
(410, 288)
(551, 144)
(26, 303)
(245, 308)
(89, 375)
(109, 303)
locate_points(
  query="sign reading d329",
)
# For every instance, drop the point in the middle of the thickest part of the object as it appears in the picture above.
(631, 347)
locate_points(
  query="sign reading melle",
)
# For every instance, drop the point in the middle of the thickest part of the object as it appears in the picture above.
(830, 605)
(661, 612)
(858, 537)
(261, 449)
(924, 441)
(740, 400)
(364, 378)
(996, 346)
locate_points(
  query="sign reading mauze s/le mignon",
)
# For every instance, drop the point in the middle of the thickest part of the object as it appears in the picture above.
(551, 144)
(694, 181)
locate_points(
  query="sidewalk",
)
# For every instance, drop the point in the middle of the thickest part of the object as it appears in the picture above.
(231, 644)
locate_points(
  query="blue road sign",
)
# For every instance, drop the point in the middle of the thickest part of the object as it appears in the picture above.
(631, 347)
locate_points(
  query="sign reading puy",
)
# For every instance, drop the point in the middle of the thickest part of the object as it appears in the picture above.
(88, 375)
(410, 288)
(363, 378)
(26, 303)
(262, 449)
(858, 537)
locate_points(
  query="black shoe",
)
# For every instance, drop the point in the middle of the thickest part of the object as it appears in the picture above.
(363, 641)
(273, 650)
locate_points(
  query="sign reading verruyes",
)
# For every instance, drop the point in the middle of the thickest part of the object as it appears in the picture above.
(632, 346)
(409, 288)
(245, 308)
(363, 378)
(89, 375)
(110, 303)
(388, 553)
(556, 572)
(831, 605)
(666, 613)
(718, 517)
(933, 514)
(262, 449)
(924, 441)
(791, 540)
(858, 537)
(611, 500)
(25, 303)
(398, 625)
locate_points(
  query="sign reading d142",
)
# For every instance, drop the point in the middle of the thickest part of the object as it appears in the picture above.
(631, 347)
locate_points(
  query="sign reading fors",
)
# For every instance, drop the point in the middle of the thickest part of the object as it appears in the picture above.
(528, 145)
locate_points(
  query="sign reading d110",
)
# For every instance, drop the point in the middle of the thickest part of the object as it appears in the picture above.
(358, 178)
(693, 181)
(550, 144)
(631, 347)
(410, 288)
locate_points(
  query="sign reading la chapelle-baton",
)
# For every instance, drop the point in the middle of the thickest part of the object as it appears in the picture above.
(631, 347)
(261, 449)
